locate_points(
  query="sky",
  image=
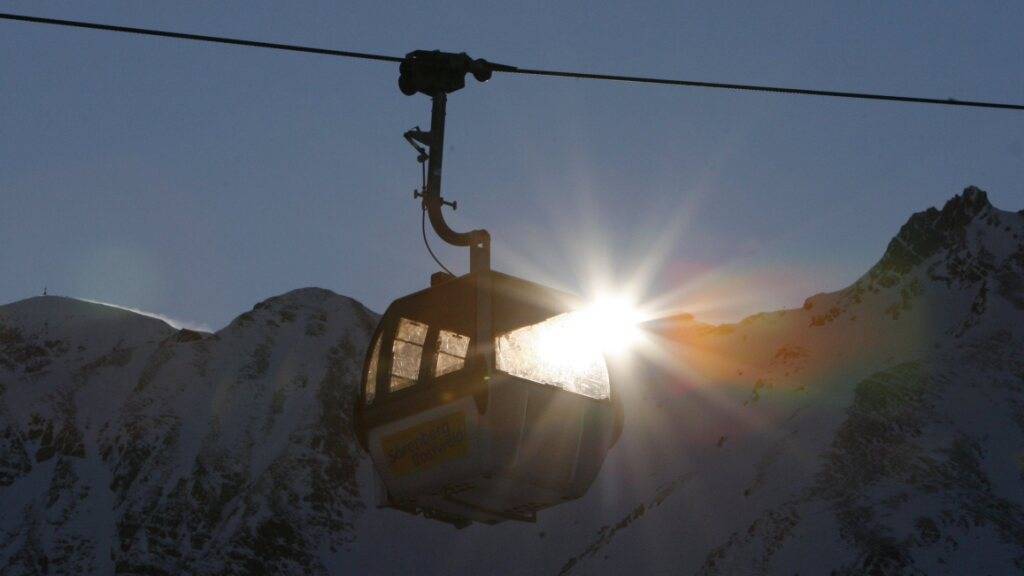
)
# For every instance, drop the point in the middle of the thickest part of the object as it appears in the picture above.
(195, 180)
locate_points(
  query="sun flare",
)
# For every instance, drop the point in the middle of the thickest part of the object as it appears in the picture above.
(610, 323)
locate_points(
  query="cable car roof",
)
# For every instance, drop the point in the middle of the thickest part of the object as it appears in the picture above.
(514, 302)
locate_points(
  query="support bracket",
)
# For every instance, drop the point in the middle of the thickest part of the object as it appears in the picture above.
(437, 74)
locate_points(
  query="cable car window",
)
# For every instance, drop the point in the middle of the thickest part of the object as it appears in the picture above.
(451, 352)
(370, 391)
(558, 352)
(407, 351)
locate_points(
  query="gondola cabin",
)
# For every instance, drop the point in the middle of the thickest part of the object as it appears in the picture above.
(483, 401)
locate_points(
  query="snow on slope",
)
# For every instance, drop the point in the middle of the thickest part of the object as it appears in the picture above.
(129, 445)
(878, 429)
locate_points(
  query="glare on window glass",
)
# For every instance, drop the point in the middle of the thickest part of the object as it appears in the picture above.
(557, 352)
(407, 351)
(451, 352)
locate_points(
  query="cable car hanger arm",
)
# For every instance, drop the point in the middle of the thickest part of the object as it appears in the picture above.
(478, 241)
(436, 74)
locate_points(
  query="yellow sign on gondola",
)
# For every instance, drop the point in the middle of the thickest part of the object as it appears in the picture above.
(427, 445)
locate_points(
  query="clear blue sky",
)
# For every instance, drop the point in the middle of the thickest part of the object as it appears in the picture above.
(194, 180)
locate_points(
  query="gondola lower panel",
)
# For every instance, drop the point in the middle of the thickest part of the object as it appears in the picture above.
(534, 447)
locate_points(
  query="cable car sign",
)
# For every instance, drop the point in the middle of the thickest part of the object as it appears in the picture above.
(426, 445)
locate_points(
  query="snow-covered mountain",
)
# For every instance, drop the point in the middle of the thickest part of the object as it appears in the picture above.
(129, 446)
(878, 430)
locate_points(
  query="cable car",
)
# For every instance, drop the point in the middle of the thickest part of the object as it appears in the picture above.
(482, 400)
(482, 397)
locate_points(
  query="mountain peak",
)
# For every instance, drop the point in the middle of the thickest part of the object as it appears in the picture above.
(314, 303)
(972, 193)
(38, 331)
(961, 209)
(927, 232)
(39, 311)
(310, 297)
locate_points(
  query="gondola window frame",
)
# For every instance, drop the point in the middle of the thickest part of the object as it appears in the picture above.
(373, 369)
(405, 344)
(455, 359)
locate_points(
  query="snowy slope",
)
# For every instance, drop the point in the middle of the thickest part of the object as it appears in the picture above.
(878, 429)
(134, 446)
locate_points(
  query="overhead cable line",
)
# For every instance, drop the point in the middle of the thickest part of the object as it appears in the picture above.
(761, 88)
(525, 71)
(200, 37)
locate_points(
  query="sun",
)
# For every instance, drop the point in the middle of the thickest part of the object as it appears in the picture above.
(611, 323)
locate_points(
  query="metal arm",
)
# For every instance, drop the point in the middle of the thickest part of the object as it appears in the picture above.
(436, 74)
(479, 241)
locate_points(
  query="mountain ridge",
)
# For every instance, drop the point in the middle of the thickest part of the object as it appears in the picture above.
(921, 236)
(870, 431)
